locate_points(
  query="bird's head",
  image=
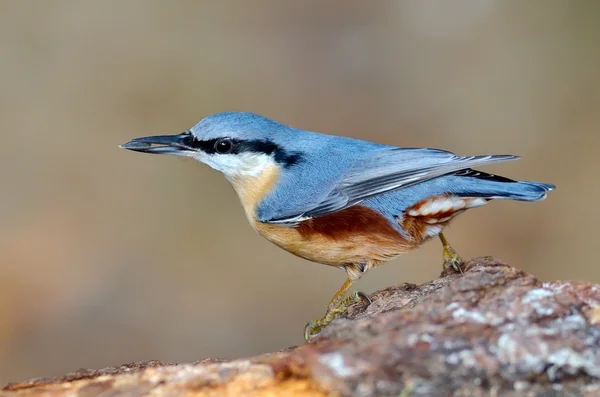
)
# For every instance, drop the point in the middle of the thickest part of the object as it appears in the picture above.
(237, 144)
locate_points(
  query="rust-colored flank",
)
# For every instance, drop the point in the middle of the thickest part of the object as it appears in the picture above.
(355, 220)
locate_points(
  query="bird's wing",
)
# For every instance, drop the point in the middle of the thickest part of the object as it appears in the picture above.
(382, 172)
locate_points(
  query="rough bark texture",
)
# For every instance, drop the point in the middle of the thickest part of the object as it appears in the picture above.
(493, 331)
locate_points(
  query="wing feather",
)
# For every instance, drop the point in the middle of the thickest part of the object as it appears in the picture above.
(389, 170)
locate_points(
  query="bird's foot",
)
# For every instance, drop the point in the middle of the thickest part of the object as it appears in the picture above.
(336, 307)
(452, 259)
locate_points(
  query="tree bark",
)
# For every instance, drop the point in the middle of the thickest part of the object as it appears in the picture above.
(495, 330)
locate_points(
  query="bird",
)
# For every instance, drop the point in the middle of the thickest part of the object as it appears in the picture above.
(339, 201)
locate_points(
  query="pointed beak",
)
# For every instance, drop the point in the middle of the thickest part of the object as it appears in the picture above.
(177, 145)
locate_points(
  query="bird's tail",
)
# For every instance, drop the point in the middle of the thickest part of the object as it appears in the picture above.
(479, 184)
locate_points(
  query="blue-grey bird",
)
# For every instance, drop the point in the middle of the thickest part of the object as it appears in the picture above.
(338, 201)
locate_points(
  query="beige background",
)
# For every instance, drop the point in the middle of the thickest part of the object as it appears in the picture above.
(108, 256)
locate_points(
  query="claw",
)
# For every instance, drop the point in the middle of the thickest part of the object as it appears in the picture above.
(364, 297)
(310, 330)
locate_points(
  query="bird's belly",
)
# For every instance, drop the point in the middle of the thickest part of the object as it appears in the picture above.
(356, 235)
(351, 249)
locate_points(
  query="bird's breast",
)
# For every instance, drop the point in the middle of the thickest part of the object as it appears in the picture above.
(252, 189)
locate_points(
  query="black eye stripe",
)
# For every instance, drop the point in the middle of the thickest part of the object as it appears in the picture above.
(245, 146)
(205, 146)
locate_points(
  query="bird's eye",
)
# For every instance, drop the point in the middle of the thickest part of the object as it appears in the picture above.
(223, 146)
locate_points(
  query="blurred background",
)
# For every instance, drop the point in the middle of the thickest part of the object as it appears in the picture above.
(109, 256)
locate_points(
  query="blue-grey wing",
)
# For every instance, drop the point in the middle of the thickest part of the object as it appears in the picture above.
(380, 172)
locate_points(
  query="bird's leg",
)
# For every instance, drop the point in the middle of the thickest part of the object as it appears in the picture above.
(451, 258)
(337, 305)
(337, 298)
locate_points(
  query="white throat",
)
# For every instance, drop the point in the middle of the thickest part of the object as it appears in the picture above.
(236, 165)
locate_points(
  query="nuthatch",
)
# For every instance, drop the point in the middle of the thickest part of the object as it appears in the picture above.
(339, 201)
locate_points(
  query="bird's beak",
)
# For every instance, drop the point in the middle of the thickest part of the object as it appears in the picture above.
(177, 145)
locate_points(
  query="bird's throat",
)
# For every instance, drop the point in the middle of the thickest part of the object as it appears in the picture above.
(252, 189)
